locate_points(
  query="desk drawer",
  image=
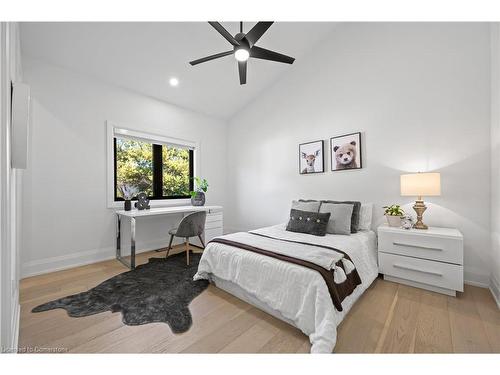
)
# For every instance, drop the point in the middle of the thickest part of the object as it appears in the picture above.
(417, 245)
(214, 217)
(443, 275)
(213, 224)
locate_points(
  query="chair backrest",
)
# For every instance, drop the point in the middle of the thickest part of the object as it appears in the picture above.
(192, 225)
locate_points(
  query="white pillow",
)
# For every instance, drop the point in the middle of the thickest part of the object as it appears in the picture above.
(365, 216)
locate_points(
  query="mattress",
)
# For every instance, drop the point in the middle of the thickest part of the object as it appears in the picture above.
(292, 293)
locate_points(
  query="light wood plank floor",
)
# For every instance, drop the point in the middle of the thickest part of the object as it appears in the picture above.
(388, 318)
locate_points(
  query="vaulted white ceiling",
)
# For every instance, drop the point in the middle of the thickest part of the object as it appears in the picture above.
(143, 56)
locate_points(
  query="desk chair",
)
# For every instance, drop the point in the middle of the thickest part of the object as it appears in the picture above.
(191, 225)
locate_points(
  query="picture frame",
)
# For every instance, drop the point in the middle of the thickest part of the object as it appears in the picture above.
(312, 157)
(346, 152)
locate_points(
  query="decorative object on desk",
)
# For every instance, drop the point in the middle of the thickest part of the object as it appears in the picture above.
(127, 205)
(128, 192)
(311, 157)
(158, 291)
(142, 202)
(407, 222)
(198, 195)
(420, 184)
(394, 214)
(345, 151)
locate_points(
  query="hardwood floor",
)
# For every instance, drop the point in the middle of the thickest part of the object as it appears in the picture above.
(388, 318)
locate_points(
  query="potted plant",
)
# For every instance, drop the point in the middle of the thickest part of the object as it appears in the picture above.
(128, 192)
(198, 195)
(394, 213)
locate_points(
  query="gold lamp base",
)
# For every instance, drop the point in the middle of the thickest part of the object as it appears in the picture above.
(419, 208)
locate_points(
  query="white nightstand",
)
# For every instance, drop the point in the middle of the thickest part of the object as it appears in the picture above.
(430, 259)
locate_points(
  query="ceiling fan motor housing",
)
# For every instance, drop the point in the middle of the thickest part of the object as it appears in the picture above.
(244, 45)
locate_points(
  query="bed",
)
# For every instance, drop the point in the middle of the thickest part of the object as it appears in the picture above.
(295, 294)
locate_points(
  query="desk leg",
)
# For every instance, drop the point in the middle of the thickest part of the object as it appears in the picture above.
(132, 243)
(118, 237)
(118, 244)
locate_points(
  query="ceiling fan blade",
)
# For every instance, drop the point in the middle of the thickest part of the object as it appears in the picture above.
(257, 31)
(265, 54)
(242, 69)
(211, 57)
(222, 31)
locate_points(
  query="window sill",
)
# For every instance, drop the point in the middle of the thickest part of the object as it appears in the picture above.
(155, 203)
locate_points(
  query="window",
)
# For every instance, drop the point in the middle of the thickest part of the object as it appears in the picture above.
(162, 171)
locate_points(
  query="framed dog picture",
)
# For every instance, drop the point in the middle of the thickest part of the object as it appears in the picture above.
(345, 151)
(311, 158)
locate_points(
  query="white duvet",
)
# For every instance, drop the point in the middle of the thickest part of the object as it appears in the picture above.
(298, 293)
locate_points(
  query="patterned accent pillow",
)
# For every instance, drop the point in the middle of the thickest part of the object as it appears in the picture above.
(314, 223)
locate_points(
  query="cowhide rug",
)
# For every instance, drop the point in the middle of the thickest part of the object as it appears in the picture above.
(158, 291)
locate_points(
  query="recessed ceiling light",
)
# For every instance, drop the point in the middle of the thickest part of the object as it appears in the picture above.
(173, 82)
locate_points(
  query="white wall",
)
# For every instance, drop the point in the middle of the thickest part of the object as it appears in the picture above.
(66, 221)
(10, 193)
(495, 161)
(420, 95)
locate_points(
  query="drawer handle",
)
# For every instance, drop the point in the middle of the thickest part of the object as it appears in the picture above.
(417, 246)
(417, 269)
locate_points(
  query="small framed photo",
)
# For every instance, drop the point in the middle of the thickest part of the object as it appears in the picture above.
(345, 151)
(311, 157)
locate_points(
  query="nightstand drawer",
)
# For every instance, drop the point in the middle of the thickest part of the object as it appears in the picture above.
(443, 275)
(419, 245)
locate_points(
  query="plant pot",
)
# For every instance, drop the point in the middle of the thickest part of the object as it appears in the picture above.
(128, 205)
(198, 199)
(393, 221)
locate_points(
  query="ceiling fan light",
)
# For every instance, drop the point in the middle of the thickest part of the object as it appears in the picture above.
(242, 54)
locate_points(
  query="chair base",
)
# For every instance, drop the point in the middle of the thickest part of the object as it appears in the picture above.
(186, 245)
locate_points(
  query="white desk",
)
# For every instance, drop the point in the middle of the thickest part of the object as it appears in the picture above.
(213, 225)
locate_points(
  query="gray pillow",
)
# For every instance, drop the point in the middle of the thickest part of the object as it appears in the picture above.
(308, 222)
(311, 206)
(355, 213)
(340, 217)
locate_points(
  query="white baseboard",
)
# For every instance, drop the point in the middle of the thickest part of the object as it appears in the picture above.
(476, 279)
(82, 258)
(15, 326)
(476, 283)
(495, 290)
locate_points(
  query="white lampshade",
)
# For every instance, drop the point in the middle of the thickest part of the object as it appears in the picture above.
(421, 184)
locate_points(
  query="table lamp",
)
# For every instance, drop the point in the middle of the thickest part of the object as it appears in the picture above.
(419, 185)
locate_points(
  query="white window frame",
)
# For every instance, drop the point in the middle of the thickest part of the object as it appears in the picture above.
(113, 129)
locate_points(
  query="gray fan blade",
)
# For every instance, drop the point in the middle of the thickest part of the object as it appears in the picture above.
(212, 57)
(257, 31)
(222, 31)
(242, 68)
(265, 54)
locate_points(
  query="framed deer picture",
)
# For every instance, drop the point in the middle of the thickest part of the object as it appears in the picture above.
(311, 157)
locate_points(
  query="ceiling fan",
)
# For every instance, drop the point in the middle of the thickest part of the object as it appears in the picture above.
(244, 47)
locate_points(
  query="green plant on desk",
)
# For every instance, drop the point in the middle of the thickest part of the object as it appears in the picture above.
(201, 185)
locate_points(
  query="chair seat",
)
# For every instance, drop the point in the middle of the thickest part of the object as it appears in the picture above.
(191, 225)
